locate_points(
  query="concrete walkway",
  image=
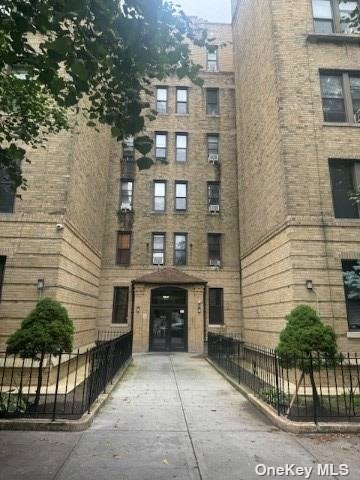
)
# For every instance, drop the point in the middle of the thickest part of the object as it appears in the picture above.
(172, 417)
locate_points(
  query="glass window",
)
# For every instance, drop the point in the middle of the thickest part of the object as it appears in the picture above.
(355, 96)
(212, 59)
(213, 144)
(333, 98)
(180, 247)
(212, 101)
(7, 193)
(180, 196)
(342, 184)
(352, 304)
(181, 147)
(182, 100)
(161, 146)
(214, 248)
(159, 196)
(123, 248)
(126, 195)
(216, 306)
(158, 249)
(2, 273)
(120, 305)
(323, 16)
(346, 9)
(213, 194)
(161, 99)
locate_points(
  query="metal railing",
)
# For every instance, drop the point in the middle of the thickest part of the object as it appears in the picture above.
(67, 384)
(312, 387)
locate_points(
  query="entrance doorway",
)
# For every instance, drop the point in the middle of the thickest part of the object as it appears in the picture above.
(168, 320)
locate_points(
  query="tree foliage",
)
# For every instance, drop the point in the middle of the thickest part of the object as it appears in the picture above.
(106, 51)
(352, 281)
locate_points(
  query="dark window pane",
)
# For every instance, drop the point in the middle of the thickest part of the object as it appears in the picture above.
(7, 193)
(216, 306)
(180, 258)
(342, 183)
(352, 305)
(214, 194)
(123, 249)
(214, 247)
(355, 95)
(2, 272)
(323, 26)
(212, 99)
(120, 306)
(180, 241)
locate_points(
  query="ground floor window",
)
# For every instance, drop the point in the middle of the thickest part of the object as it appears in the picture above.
(352, 304)
(120, 305)
(216, 306)
(2, 271)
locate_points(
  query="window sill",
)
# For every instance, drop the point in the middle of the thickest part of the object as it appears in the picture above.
(333, 38)
(213, 116)
(181, 213)
(353, 334)
(120, 324)
(158, 213)
(215, 325)
(341, 124)
(182, 114)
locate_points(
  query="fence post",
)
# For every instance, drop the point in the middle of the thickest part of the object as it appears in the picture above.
(56, 388)
(313, 388)
(277, 382)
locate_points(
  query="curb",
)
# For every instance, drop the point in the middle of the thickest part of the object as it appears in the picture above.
(282, 422)
(66, 425)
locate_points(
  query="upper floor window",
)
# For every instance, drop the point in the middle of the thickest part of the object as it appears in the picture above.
(161, 146)
(213, 144)
(123, 248)
(181, 147)
(158, 250)
(180, 196)
(161, 99)
(180, 248)
(340, 97)
(334, 16)
(352, 304)
(126, 195)
(7, 193)
(345, 178)
(214, 249)
(2, 272)
(214, 196)
(182, 100)
(212, 59)
(212, 101)
(159, 196)
(128, 148)
(120, 305)
(216, 306)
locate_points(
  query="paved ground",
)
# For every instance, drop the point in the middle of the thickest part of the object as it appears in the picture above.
(173, 417)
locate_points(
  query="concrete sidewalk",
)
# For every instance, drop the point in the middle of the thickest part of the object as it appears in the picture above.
(172, 417)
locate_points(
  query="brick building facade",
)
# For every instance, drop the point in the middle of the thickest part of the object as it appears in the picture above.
(227, 234)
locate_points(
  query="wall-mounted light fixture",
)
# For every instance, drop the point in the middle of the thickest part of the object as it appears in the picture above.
(40, 284)
(137, 309)
(309, 285)
(199, 307)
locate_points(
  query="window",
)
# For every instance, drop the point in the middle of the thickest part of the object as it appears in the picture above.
(212, 101)
(161, 146)
(352, 304)
(181, 147)
(212, 59)
(126, 195)
(120, 305)
(159, 196)
(334, 16)
(182, 101)
(213, 144)
(180, 196)
(161, 99)
(213, 196)
(214, 249)
(216, 306)
(7, 193)
(180, 248)
(341, 97)
(158, 249)
(123, 248)
(345, 179)
(2, 272)
(128, 148)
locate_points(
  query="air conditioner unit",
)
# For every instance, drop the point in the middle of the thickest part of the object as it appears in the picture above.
(357, 116)
(214, 208)
(215, 263)
(125, 207)
(213, 158)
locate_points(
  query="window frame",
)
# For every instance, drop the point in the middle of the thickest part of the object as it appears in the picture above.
(178, 102)
(185, 135)
(218, 308)
(155, 182)
(153, 250)
(165, 134)
(209, 184)
(119, 250)
(158, 88)
(210, 258)
(2, 272)
(346, 88)
(176, 234)
(123, 181)
(217, 90)
(213, 62)
(116, 305)
(348, 301)
(335, 18)
(181, 182)
(354, 167)
(213, 135)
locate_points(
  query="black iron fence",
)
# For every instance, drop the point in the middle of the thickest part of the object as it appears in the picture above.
(65, 386)
(308, 388)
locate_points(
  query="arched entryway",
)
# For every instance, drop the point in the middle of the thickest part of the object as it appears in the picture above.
(168, 320)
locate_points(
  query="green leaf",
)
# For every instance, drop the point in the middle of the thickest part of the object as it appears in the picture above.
(78, 68)
(61, 45)
(143, 144)
(144, 163)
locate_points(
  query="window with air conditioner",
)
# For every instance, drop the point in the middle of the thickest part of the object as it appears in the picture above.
(213, 147)
(213, 189)
(340, 93)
